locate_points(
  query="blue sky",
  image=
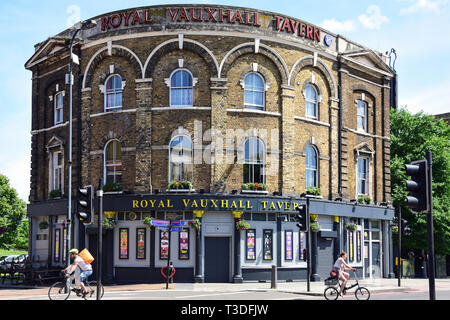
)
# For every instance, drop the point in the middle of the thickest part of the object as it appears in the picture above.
(417, 29)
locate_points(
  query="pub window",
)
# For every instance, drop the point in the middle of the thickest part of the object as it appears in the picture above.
(251, 244)
(59, 107)
(311, 167)
(362, 176)
(124, 243)
(267, 244)
(56, 172)
(181, 159)
(140, 243)
(288, 245)
(254, 91)
(57, 244)
(113, 93)
(254, 160)
(361, 115)
(259, 217)
(302, 246)
(113, 163)
(163, 244)
(181, 89)
(183, 252)
(311, 102)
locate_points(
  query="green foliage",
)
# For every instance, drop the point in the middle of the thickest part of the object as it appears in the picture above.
(364, 199)
(411, 136)
(12, 211)
(254, 186)
(180, 185)
(148, 221)
(112, 187)
(54, 194)
(242, 224)
(314, 191)
(21, 241)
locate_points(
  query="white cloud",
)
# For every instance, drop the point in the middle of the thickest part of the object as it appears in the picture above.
(338, 26)
(424, 5)
(372, 19)
(429, 99)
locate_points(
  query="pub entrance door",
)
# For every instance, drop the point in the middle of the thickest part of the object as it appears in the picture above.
(217, 259)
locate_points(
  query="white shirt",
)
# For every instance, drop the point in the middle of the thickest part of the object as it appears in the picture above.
(339, 264)
(83, 265)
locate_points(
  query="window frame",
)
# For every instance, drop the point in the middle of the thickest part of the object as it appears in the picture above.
(192, 160)
(364, 116)
(182, 88)
(263, 92)
(58, 110)
(367, 176)
(315, 102)
(316, 169)
(253, 163)
(56, 171)
(105, 171)
(113, 92)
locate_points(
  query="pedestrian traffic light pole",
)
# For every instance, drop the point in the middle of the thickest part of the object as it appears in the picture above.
(302, 218)
(421, 200)
(431, 267)
(399, 255)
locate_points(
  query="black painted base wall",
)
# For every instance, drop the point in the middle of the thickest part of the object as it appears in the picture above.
(151, 275)
(284, 274)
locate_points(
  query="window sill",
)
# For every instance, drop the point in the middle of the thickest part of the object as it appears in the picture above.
(180, 190)
(255, 111)
(112, 192)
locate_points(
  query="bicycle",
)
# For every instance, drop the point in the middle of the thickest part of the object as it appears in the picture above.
(332, 291)
(61, 290)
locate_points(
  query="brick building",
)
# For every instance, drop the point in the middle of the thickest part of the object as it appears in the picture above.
(221, 97)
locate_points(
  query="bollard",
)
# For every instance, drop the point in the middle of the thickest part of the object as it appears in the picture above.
(274, 277)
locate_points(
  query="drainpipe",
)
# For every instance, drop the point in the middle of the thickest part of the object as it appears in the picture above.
(339, 128)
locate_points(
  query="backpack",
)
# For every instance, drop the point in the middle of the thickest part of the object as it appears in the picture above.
(86, 256)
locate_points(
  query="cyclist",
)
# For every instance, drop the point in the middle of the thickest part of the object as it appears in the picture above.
(86, 270)
(339, 267)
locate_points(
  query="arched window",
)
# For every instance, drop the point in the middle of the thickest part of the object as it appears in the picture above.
(113, 162)
(311, 101)
(361, 114)
(181, 89)
(113, 93)
(254, 161)
(59, 107)
(254, 94)
(181, 159)
(311, 167)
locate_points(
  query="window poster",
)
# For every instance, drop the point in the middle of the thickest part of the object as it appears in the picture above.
(251, 244)
(164, 245)
(140, 243)
(183, 253)
(358, 246)
(64, 245)
(57, 244)
(267, 244)
(302, 245)
(352, 255)
(123, 248)
(288, 244)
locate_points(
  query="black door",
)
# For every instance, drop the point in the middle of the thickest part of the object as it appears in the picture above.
(324, 257)
(217, 259)
(107, 252)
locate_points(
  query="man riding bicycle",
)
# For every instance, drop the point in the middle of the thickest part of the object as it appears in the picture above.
(82, 270)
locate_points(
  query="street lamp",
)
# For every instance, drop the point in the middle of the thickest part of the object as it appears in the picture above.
(88, 24)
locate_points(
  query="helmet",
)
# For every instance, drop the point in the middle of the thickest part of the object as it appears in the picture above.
(75, 251)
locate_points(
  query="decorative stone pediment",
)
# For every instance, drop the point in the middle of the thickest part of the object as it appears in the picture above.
(364, 149)
(367, 59)
(55, 142)
(47, 49)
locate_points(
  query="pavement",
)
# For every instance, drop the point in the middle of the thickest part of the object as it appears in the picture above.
(300, 287)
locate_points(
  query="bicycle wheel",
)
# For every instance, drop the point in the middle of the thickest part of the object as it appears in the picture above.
(362, 293)
(331, 293)
(92, 285)
(58, 291)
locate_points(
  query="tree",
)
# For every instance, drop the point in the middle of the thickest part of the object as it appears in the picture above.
(411, 136)
(12, 211)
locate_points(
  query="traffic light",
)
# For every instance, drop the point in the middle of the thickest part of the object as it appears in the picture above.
(418, 186)
(302, 217)
(85, 210)
(404, 227)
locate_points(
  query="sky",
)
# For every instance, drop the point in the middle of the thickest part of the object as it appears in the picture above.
(416, 29)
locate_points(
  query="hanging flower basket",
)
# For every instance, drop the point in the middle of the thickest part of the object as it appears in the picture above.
(148, 221)
(195, 223)
(314, 226)
(109, 223)
(351, 226)
(242, 224)
(43, 225)
(395, 229)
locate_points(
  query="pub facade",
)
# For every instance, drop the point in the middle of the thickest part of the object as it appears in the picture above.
(224, 120)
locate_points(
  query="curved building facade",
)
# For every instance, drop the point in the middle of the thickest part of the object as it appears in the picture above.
(218, 114)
